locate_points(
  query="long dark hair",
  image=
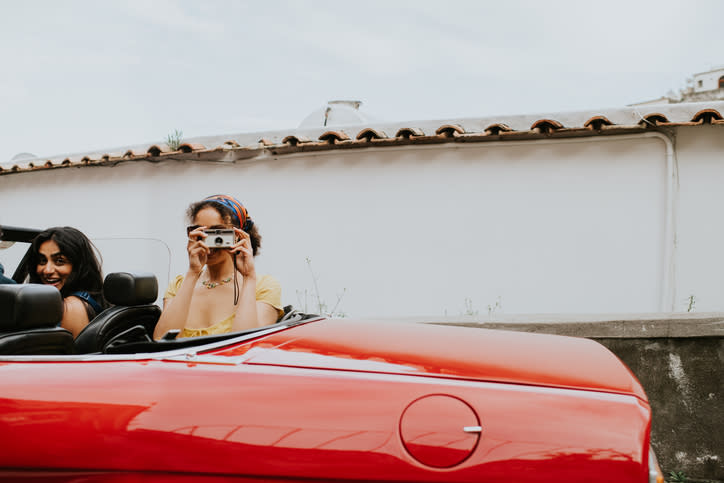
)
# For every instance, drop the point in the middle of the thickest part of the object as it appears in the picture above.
(86, 275)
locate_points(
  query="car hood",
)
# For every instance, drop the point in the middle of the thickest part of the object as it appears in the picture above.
(450, 352)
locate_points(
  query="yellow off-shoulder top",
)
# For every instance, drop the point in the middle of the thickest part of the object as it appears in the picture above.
(268, 290)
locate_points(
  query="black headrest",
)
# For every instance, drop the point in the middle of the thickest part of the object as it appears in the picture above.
(25, 306)
(126, 288)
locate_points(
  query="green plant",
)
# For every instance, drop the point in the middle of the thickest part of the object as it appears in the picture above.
(692, 304)
(471, 311)
(678, 476)
(319, 304)
(173, 140)
(493, 307)
(469, 307)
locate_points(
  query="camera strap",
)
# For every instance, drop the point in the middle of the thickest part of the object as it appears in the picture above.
(236, 282)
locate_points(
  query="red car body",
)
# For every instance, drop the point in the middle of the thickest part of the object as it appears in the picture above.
(330, 399)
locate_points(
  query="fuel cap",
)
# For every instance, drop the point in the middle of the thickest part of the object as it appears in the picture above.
(440, 430)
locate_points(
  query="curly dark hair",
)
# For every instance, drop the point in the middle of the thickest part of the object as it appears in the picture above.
(86, 275)
(228, 216)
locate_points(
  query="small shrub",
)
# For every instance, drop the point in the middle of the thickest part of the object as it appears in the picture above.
(319, 305)
(678, 476)
(691, 304)
(173, 140)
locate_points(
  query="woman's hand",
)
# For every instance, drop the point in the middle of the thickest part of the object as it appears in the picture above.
(244, 254)
(197, 249)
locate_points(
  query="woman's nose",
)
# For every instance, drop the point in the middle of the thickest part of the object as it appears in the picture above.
(48, 268)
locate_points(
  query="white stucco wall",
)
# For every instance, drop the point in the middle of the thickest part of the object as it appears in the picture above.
(565, 226)
(700, 253)
(709, 80)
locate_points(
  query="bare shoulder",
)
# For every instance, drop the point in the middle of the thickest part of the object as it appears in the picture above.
(75, 317)
(73, 303)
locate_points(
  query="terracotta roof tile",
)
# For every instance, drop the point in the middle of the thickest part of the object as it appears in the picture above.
(450, 130)
(190, 147)
(497, 128)
(295, 140)
(156, 150)
(521, 127)
(546, 126)
(409, 132)
(597, 123)
(707, 116)
(369, 134)
(653, 119)
(333, 137)
(130, 154)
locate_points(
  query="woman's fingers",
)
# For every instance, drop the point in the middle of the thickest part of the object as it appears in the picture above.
(199, 234)
(245, 262)
(197, 249)
(196, 239)
(241, 235)
(243, 242)
(244, 250)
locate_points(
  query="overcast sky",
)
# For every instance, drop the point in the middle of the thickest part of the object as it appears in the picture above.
(85, 75)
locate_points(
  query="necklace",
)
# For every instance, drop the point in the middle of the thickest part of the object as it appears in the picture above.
(209, 284)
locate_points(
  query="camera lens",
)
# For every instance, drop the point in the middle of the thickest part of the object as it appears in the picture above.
(219, 241)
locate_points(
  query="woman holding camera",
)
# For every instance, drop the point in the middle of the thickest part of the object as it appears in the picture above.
(66, 259)
(220, 291)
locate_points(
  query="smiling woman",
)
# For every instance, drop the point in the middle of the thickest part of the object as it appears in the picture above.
(222, 243)
(64, 258)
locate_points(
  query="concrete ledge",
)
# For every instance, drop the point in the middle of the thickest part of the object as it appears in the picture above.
(614, 326)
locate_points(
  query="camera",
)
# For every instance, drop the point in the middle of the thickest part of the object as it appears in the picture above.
(220, 238)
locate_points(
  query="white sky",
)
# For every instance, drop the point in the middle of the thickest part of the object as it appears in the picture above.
(84, 75)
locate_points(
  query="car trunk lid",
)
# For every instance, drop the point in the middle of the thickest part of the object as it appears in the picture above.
(450, 352)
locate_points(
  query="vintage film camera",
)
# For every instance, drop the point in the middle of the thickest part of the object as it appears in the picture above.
(220, 237)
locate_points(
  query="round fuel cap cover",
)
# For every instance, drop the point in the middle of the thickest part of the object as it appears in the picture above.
(439, 430)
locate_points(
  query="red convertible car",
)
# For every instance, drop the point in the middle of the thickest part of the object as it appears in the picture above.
(307, 399)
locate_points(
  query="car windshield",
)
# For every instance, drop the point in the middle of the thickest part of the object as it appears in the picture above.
(136, 255)
(11, 253)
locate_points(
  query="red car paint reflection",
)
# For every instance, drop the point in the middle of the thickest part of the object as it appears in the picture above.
(325, 400)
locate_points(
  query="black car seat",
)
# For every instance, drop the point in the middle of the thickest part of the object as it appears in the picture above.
(29, 318)
(132, 318)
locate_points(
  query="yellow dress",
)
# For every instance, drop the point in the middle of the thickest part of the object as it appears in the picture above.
(268, 290)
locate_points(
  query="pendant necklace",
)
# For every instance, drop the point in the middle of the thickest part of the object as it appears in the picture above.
(209, 284)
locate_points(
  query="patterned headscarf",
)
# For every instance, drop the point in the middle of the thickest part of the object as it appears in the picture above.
(237, 210)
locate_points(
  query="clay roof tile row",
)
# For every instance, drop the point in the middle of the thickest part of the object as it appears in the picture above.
(232, 150)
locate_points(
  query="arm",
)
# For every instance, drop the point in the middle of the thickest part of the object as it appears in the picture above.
(176, 311)
(266, 313)
(75, 317)
(249, 312)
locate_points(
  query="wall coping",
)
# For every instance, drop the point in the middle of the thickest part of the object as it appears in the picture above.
(618, 326)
